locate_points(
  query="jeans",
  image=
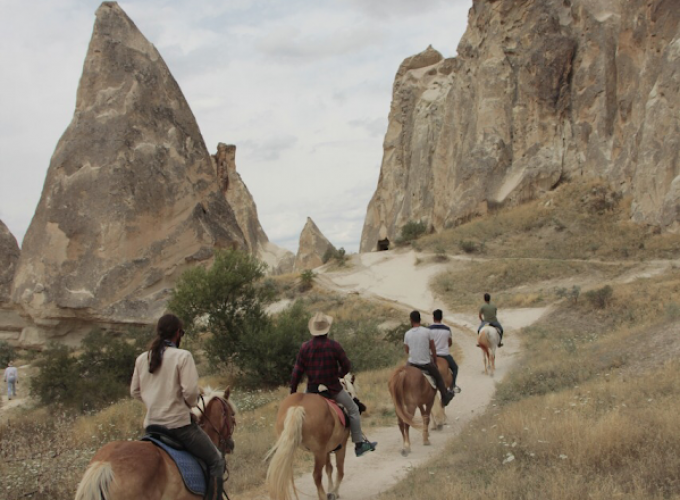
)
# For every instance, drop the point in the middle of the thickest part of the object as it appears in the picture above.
(495, 324)
(433, 371)
(11, 388)
(452, 365)
(199, 444)
(353, 411)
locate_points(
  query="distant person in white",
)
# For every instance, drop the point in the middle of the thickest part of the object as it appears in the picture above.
(11, 377)
(422, 354)
(441, 334)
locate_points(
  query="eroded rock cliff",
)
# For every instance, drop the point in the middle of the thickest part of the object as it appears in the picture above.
(9, 256)
(130, 199)
(541, 91)
(313, 246)
(278, 260)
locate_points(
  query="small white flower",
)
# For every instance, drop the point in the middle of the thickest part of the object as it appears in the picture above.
(509, 458)
(563, 457)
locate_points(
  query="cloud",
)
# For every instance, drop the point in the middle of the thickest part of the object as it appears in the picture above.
(270, 149)
(376, 127)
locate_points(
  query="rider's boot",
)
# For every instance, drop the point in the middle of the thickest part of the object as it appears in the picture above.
(215, 488)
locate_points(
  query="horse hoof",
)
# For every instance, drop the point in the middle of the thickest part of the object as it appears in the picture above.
(440, 427)
(404, 453)
(427, 443)
(331, 496)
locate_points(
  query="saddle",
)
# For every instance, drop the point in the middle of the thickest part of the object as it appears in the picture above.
(193, 470)
(338, 409)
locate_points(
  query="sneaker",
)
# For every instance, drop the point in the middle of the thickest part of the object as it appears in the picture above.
(364, 446)
(456, 389)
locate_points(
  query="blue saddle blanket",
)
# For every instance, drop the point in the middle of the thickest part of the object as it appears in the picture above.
(188, 465)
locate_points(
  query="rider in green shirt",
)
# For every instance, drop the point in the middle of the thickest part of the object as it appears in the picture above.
(487, 315)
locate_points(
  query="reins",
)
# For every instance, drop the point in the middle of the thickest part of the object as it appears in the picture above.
(223, 441)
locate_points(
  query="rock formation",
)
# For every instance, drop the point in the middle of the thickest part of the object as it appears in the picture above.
(11, 323)
(313, 246)
(278, 260)
(542, 91)
(130, 199)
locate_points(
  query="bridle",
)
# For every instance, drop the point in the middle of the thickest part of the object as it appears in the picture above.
(223, 436)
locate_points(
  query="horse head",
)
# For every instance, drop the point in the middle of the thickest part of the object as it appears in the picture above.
(217, 417)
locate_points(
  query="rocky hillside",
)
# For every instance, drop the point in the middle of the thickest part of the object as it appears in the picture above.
(542, 91)
(131, 197)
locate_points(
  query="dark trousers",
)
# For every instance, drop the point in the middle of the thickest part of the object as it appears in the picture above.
(199, 444)
(452, 365)
(433, 371)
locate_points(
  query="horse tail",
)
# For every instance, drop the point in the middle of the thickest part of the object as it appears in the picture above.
(397, 390)
(96, 483)
(280, 472)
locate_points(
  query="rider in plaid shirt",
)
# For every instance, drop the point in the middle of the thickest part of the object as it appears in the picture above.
(323, 360)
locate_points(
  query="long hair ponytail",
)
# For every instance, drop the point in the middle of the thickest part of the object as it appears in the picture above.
(166, 329)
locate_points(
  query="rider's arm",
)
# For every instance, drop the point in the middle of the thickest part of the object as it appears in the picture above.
(135, 388)
(343, 361)
(298, 371)
(188, 380)
(406, 349)
(433, 351)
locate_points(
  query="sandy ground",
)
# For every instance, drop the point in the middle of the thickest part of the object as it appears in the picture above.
(394, 277)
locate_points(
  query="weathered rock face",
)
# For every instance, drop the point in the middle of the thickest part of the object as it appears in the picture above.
(9, 256)
(542, 91)
(131, 195)
(313, 246)
(278, 260)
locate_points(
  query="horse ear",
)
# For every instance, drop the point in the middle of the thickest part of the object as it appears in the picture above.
(227, 392)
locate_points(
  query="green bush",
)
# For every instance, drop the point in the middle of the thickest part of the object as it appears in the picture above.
(412, 231)
(468, 246)
(367, 347)
(7, 353)
(306, 280)
(338, 255)
(228, 300)
(268, 353)
(601, 297)
(98, 377)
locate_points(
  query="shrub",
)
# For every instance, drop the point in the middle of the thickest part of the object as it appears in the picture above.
(99, 377)
(338, 255)
(307, 280)
(229, 296)
(468, 246)
(7, 353)
(366, 346)
(412, 231)
(440, 253)
(601, 297)
(565, 293)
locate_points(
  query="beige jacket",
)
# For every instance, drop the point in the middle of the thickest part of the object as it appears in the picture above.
(170, 391)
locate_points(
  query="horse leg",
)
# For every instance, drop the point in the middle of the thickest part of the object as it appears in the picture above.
(340, 468)
(484, 357)
(319, 463)
(329, 473)
(492, 360)
(438, 414)
(406, 447)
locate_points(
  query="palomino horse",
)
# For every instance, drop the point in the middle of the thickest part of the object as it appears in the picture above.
(307, 421)
(140, 470)
(488, 340)
(410, 390)
(438, 411)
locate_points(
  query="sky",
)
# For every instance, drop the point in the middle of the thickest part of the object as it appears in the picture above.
(301, 87)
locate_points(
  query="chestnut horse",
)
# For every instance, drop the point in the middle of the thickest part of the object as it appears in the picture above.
(140, 470)
(438, 411)
(488, 340)
(306, 420)
(410, 390)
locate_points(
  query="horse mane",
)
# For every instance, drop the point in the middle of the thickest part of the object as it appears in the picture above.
(208, 395)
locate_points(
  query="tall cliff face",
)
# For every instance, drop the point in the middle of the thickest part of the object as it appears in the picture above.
(9, 256)
(278, 260)
(131, 196)
(541, 91)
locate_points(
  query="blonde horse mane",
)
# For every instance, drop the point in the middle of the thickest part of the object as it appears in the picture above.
(208, 395)
(96, 483)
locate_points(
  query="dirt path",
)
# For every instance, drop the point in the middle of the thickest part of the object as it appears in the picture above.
(394, 277)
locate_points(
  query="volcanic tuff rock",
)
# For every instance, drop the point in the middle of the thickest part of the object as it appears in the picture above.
(278, 260)
(542, 91)
(9, 256)
(313, 246)
(131, 195)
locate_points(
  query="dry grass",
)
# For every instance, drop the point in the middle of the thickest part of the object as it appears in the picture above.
(576, 221)
(581, 416)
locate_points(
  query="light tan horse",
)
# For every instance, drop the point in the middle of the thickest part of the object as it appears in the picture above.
(306, 420)
(438, 411)
(140, 470)
(488, 340)
(410, 390)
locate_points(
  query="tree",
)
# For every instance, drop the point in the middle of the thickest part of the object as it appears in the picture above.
(228, 300)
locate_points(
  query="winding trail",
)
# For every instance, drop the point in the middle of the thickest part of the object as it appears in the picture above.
(393, 277)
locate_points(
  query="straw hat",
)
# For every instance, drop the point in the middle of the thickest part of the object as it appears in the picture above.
(320, 324)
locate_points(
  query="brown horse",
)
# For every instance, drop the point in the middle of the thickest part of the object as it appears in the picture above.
(306, 420)
(410, 390)
(438, 411)
(140, 470)
(488, 340)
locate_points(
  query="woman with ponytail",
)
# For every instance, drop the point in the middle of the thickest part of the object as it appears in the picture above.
(166, 380)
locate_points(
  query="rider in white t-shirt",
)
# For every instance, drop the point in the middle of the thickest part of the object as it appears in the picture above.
(441, 335)
(420, 348)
